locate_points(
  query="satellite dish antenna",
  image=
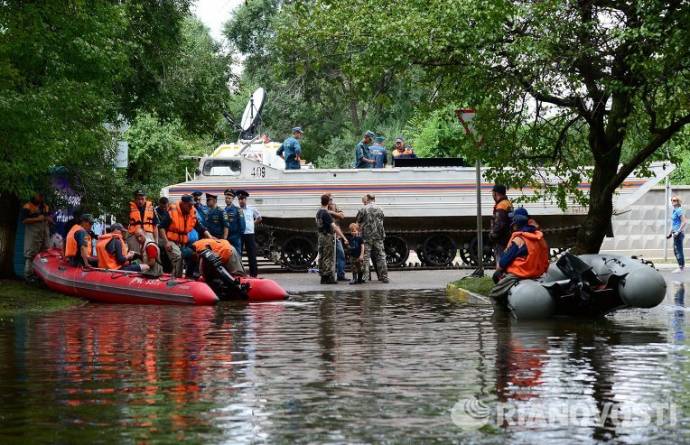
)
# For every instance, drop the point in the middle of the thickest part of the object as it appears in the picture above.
(251, 117)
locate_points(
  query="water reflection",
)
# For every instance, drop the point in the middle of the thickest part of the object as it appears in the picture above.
(364, 367)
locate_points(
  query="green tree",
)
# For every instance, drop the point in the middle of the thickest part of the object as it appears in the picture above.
(556, 83)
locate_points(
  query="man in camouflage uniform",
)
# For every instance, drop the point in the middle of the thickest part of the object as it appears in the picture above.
(370, 219)
(327, 230)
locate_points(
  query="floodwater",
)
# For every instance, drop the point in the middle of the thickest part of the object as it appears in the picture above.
(397, 367)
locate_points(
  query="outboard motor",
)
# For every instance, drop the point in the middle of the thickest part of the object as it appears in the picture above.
(219, 279)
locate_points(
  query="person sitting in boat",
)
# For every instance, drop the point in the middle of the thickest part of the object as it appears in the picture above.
(525, 257)
(78, 243)
(150, 254)
(174, 231)
(227, 254)
(113, 253)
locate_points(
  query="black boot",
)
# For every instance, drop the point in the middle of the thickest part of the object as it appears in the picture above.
(360, 278)
(355, 279)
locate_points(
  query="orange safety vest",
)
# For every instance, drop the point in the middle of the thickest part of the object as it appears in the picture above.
(135, 218)
(220, 247)
(107, 260)
(536, 262)
(180, 225)
(71, 247)
(35, 210)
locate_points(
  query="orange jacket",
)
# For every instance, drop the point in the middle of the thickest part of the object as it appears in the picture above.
(71, 247)
(180, 225)
(135, 218)
(536, 262)
(107, 260)
(220, 247)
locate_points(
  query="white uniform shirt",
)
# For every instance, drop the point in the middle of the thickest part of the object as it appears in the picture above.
(250, 215)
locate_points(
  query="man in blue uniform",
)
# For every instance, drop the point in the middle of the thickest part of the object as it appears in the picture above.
(291, 150)
(201, 210)
(378, 152)
(236, 223)
(363, 158)
(216, 218)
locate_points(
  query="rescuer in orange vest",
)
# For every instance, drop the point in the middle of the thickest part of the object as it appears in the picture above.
(35, 216)
(174, 231)
(141, 215)
(526, 255)
(79, 244)
(113, 253)
(224, 250)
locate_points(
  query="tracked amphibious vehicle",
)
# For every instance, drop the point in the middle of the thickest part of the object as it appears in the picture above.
(430, 207)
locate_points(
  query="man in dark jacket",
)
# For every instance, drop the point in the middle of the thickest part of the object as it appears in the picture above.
(500, 224)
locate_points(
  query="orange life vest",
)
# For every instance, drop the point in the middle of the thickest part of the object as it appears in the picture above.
(220, 247)
(180, 225)
(135, 218)
(504, 204)
(107, 260)
(71, 247)
(35, 210)
(536, 262)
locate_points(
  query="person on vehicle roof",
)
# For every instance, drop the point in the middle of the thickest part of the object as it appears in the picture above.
(363, 157)
(291, 150)
(378, 152)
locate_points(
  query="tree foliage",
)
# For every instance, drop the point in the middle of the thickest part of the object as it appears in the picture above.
(563, 84)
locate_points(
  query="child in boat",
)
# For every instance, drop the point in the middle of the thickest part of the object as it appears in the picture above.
(356, 254)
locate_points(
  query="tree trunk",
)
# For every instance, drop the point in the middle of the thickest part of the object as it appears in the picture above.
(8, 229)
(598, 222)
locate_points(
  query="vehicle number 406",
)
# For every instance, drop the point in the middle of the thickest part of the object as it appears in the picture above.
(258, 172)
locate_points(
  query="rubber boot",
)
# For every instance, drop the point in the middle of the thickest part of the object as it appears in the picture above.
(355, 279)
(360, 278)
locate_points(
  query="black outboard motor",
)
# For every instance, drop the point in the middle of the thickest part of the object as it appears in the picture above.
(584, 294)
(219, 279)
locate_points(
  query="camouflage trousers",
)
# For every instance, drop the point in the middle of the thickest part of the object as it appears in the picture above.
(35, 240)
(373, 249)
(327, 254)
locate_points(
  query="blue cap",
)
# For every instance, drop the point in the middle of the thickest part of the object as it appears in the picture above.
(297, 130)
(370, 133)
(196, 193)
(519, 216)
(186, 198)
(379, 138)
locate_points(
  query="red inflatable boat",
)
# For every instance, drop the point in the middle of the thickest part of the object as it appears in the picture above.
(112, 286)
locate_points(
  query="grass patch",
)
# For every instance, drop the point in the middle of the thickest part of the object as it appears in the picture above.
(16, 298)
(480, 286)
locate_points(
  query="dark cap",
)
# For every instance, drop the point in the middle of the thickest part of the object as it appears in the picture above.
(196, 193)
(139, 193)
(211, 196)
(499, 188)
(229, 192)
(117, 226)
(370, 134)
(241, 193)
(379, 138)
(86, 217)
(297, 130)
(186, 198)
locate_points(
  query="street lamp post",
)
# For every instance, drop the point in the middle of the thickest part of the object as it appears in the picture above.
(466, 116)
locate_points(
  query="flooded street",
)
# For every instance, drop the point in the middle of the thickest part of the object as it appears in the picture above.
(358, 367)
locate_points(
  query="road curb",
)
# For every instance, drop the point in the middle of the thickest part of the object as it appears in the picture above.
(463, 294)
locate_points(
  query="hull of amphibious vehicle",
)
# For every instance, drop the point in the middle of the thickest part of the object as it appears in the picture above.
(429, 210)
